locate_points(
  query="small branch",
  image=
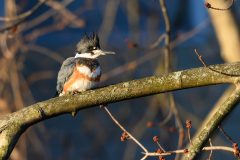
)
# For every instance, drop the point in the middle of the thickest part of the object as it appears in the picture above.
(226, 135)
(211, 151)
(124, 130)
(167, 118)
(39, 76)
(44, 51)
(156, 140)
(46, 15)
(208, 5)
(189, 126)
(183, 151)
(142, 59)
(214, 70)
(66, 14)
(25, 14)
(167, 49)
(166, 19)
(21, 18)
(178, 121)
(200, 58)
(158, 41)
(108, 20)
(160, 146)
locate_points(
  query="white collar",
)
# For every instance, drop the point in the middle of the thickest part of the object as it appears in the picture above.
(85, 55)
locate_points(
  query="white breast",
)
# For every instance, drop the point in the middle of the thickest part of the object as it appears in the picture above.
(85, 84)
(85, 70)
(82, 85)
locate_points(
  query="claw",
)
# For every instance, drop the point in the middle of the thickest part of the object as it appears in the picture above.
(75, 92)
(74, 114)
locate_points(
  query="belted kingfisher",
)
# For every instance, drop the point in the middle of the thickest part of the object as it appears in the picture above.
(82, 72)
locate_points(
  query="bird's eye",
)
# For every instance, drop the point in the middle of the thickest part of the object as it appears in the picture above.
(92, 48)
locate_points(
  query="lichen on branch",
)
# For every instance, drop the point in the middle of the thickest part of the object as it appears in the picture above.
(13, 125)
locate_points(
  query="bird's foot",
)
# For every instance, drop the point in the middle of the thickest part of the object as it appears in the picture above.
(75, 92)
(74, 114)
(102, 105)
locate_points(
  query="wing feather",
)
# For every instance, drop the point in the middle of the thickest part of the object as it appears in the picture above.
(65, 73)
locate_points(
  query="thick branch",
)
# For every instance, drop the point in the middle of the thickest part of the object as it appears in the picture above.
(13, 125)
(212, 123)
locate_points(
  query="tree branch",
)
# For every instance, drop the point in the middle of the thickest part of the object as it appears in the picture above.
(212, 123)
(22, 17)
(13, 125)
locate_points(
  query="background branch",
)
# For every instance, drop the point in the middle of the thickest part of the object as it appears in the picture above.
(21, 18)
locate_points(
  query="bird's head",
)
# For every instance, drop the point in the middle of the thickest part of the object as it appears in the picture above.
(89, 47)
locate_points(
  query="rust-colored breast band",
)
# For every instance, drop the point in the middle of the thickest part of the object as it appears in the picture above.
(78, 75)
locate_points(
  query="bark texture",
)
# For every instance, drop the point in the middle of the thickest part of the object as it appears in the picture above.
(13, 125)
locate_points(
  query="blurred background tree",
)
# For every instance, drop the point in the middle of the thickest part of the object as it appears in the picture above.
(34, 46)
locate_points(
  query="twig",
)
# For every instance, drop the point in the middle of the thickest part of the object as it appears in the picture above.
(179, 123)
(156, 140)
(210, 155)
(158, 41)
(139, 130)
(46, 15)
(41, 75)
(142, 59)
(160, 146)
(168, 68)
(144, 157)
(167, 118)
(200, 58)
(25, 14)
(226, 135)
(189, 136)
(108, 20)
(44, 51)
(45, 30)
(208, 5)
(124, 130)
(214, 70)
(24, 17)
(68, 15)
(167, 49)
(189, 126)
(183, 151)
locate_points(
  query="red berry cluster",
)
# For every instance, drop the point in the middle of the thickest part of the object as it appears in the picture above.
(236, 150)
(124, 136)
(155, 139)
(188, 124)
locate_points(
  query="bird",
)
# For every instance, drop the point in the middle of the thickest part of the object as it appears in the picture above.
(82, 72)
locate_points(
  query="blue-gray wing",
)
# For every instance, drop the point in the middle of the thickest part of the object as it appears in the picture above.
(65, 73)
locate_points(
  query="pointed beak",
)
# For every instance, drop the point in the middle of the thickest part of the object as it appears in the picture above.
(102, 52)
